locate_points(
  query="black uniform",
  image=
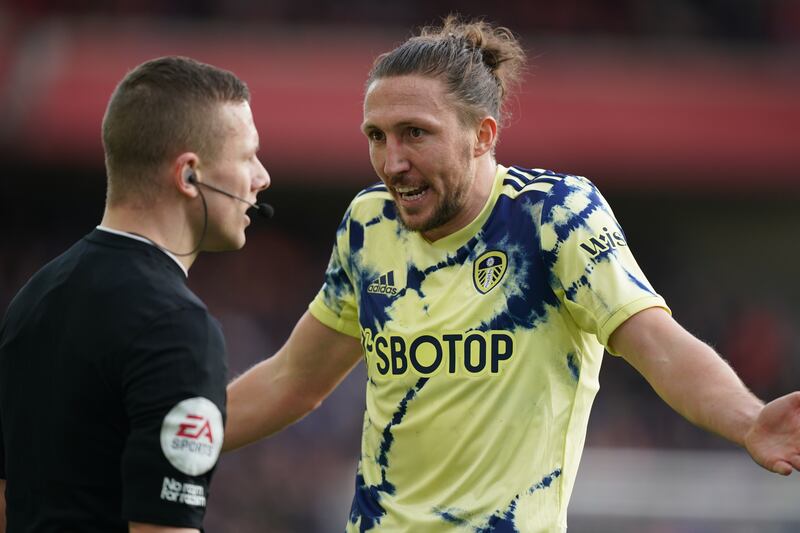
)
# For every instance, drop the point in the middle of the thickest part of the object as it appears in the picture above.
(112, 392)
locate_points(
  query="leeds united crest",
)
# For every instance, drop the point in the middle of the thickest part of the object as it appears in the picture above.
(488, 270)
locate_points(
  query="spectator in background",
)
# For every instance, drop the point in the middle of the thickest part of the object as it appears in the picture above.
(112, 372)
(481, 297)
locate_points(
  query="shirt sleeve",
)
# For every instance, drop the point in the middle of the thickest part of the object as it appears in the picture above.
(174, 393)
(335, 303)
(593, 271)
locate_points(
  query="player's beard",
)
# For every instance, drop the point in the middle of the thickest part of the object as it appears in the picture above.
(448, 208)
(451, 203)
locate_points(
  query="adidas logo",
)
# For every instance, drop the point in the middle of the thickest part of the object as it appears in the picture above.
(383, 285)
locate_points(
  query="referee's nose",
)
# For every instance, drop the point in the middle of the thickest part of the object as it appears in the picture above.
(261, 180)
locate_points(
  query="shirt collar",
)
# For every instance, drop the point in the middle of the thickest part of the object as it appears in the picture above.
(146, 241)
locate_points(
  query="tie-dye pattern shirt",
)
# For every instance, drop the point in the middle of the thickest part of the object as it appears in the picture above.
(483, 351)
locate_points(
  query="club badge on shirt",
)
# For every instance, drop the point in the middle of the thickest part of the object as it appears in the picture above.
(488, 270)
(191, 435)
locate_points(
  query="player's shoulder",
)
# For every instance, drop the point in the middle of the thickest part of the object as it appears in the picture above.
(371, 202)
(375, 193)
(520, 182)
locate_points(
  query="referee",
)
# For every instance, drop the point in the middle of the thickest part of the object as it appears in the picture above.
(112, 372)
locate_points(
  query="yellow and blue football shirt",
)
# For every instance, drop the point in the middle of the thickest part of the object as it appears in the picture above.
(483, 351)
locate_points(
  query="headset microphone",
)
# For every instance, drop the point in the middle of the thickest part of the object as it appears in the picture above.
(264, 209)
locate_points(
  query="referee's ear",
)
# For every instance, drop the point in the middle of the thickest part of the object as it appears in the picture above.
(184, 174)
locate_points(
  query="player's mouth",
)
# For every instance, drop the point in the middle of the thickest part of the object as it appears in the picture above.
(411, 194)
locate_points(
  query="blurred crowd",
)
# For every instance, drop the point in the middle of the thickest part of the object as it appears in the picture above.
(727, 21)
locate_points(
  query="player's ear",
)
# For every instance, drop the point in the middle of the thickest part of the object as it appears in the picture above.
(485, 136)
(183, 175)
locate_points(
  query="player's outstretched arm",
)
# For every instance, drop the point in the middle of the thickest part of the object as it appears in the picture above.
(702, 387)
(284, 388)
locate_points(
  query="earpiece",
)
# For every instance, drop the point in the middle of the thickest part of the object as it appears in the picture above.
(190, 177)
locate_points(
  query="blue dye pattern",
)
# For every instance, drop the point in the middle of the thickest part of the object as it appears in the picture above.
(459, 258)
(503, 523)
(572, 363)
(549, 258)
(374, 311)
(572, 290)
(374, 221)
(365, 505)
(564, 230)
(546, 481)
(366, 501)
(500, 521)
(356, 237)
(640, 284)
(510, 227)
(414, 279)
(450, 518)
(389, 211)
(388, 438)
(558, 196)
(337, 280)
(605, 255)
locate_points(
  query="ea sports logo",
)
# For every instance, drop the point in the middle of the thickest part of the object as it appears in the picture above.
(191, 436)
(196, 427)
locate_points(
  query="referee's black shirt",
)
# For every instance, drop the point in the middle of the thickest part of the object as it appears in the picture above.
(112, 392)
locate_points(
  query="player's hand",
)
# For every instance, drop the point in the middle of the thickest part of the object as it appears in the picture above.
(774, 440)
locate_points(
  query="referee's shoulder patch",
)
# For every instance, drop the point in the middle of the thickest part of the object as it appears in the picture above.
(192, 434)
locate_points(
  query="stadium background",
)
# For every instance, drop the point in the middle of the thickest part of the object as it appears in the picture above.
(686, 113)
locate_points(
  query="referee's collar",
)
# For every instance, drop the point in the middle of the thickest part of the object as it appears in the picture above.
(146, 241)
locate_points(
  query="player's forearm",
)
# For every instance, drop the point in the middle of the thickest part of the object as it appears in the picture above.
(263, 401)
(286, 387)
(699, 385)
(688, 375)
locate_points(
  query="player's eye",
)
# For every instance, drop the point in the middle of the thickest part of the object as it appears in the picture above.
(415, 133)
(376, 135)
